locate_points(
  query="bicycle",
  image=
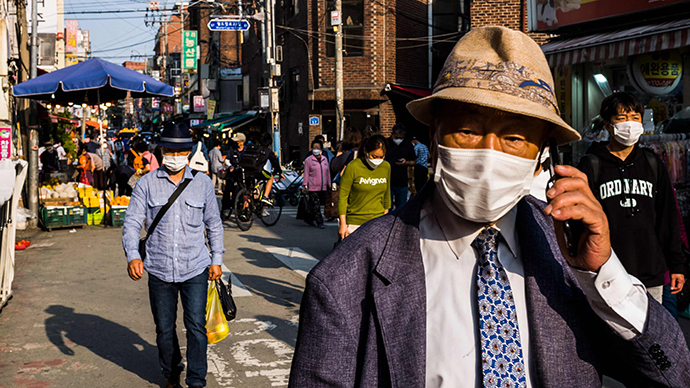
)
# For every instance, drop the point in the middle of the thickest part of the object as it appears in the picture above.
(248, 204)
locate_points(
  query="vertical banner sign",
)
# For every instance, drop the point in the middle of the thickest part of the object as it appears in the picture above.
(189, 51)
(71, 39)
(5, 143)
(199, 105)
(210, 109)
(564, 92)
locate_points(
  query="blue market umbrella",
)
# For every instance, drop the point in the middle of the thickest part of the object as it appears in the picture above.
(91, 81)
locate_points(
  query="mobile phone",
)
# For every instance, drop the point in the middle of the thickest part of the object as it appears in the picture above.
(572, 229)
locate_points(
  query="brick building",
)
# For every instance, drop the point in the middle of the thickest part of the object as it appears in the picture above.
(220, 53)
(170, 66)
(384, 42)
(394, 50)
(136, 66)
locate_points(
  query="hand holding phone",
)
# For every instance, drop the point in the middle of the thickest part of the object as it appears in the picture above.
(572, 229)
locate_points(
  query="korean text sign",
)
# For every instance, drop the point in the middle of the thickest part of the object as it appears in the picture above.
(189, 51)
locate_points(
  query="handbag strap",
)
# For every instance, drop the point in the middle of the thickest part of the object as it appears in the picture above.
(171, 200)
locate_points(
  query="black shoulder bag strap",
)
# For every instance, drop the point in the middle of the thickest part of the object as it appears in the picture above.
(161, 213)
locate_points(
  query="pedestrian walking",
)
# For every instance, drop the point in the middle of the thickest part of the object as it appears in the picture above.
(467, 285)
(85, 167)
(635, 191)
(345, 154)
(90, 146)
(365, 191)
(400, 155)
(421, 164)
(317, 179)
(232, 175)
(216, 164)
(176, 256)
(97, 171)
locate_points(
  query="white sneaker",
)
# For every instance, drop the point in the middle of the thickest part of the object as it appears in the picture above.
(265, 213)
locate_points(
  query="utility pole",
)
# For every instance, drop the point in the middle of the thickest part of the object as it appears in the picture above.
(268, 34)
(336, 21)
(33, 133)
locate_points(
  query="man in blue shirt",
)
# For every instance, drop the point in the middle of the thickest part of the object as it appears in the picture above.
(421, 166)
(177, 259)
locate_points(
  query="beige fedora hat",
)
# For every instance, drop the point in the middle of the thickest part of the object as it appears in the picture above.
(498, 68)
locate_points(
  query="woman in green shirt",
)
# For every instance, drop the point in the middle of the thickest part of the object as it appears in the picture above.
(365, 191)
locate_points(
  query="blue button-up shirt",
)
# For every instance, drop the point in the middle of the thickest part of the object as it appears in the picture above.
(176, 251)
(422, 153)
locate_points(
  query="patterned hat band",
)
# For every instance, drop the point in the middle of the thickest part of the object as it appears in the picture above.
(177, 139)
(504, 77)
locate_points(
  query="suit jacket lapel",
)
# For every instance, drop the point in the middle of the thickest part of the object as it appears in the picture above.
(400, 302)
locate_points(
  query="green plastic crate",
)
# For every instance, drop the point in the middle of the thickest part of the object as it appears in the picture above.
(117, 215)
(76, 215)
(53, 217)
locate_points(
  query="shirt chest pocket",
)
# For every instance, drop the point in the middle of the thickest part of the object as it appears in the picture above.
(154, 207)
(194, 212)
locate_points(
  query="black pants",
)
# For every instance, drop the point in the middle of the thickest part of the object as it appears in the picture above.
(230, 190)
(421, 176)
(316, 198)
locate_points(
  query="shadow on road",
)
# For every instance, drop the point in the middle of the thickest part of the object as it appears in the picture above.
(106, 339)
(275, 291)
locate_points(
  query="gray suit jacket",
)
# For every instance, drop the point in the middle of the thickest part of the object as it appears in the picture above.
(363, 315)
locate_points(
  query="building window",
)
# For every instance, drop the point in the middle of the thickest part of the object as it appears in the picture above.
(245, 89)
(353, 28)
(240, 93)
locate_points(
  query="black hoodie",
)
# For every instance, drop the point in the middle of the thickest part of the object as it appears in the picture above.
(641, 208)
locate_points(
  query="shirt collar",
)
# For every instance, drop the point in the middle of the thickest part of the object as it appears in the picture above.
(162, 172)
(460, 233)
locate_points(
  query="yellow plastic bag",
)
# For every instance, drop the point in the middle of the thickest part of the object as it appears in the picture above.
(216, 325)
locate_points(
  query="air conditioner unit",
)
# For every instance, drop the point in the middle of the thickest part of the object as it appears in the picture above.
(279, 53)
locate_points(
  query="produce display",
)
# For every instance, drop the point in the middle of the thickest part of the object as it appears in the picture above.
(66, 191)
(122, 200)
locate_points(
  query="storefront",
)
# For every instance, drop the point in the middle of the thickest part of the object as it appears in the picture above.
(638, 47)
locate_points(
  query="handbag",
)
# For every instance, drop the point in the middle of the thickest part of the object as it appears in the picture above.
(161, 213)
(304, 210)
(226, 301)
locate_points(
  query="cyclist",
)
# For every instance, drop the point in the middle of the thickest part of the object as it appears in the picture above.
(271, 168)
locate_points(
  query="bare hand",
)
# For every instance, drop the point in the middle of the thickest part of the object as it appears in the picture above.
(571, 198)
(135, 268)
(401, 162)
(214, 272)
(677, 282)
(342, 231)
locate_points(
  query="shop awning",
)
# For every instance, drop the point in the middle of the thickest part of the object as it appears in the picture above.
(609, 45)
(413, 92)
(94, 124)
(55, 119)
(227, 123)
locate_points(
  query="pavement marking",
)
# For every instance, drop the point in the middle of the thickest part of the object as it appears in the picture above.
(238, 289)
(295, 258)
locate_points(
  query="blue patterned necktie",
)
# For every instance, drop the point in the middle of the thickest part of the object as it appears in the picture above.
(502, 363)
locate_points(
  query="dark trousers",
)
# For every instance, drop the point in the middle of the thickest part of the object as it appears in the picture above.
(231, 188)
(163, 297)
(316, 198)
(670, 301)
(99, 179)
(398, 196)
(421, 175)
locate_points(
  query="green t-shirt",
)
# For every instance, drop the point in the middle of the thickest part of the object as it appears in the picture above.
(364, 193)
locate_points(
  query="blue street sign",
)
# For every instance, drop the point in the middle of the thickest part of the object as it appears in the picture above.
(228, 25)
(314, 120)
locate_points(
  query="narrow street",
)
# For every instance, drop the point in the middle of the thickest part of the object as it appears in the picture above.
(77, 320)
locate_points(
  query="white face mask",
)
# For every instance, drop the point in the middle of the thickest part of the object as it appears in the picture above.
(627, 133)
(174, 163)
(482, 185)
(397, 141)
(316, 152)
(373, 163)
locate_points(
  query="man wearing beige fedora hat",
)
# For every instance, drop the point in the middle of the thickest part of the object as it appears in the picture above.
(470, 284)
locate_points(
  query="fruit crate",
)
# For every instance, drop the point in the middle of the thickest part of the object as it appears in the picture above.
(117, 215)
(76, 215)
(53, 217)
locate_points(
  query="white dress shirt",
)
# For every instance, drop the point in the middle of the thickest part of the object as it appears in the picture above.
(450, 267)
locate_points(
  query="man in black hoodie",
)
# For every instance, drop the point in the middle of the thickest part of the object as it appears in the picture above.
(634, 188)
